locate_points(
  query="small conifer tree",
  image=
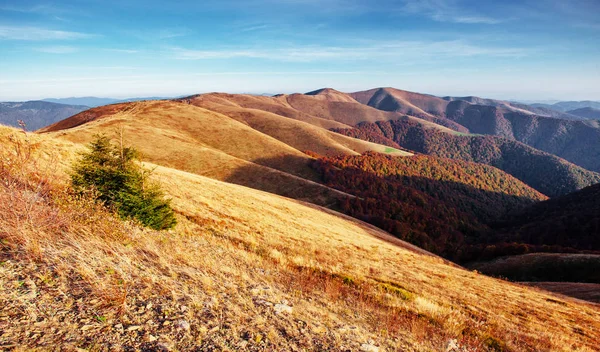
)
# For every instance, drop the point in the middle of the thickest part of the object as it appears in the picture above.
(116, 180)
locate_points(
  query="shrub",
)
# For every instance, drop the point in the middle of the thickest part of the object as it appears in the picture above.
(112, 175)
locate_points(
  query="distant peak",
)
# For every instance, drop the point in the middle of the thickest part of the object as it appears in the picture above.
(324, 91)
(333, 95)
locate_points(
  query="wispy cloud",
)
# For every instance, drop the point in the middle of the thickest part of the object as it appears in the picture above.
(172, 33)
(48, 10)
(41, 9)
(124, 51)
(256, 27)
(87, 68)
(57, 49)
(153, 34)
(37, 34)
(386, 50)
(447, 11)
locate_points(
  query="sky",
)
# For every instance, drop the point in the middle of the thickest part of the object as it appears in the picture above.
(527, 50)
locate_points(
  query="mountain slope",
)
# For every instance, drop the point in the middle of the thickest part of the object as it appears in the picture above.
(575, 141)
(294, 132)
(565, 106)
(36, 114)
(277, 105)
(515, 107)
(204, 142)
(439, 204)
(546, 173)
(408, 103)
(248, 147)
(234, 275)
(588, 113)
(569, 221)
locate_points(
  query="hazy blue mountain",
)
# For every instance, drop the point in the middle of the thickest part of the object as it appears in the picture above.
(565, 106)
(36, 114)
(514, 106)
(588, 113)
(87, 101)
(95, 101)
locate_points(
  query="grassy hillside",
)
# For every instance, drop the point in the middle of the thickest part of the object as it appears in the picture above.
(295, 132)
(546, 173)
(277, 105)
(204, 142)
(390, 99)
(325, 108)
(426, 107)
(234, 275)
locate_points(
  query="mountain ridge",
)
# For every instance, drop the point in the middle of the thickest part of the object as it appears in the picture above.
(36, 113)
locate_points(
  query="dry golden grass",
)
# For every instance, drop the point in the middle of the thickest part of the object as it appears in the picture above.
(326, 109)
(296, 133)
(73, 276)
(207, 143)
(277, 105)
(408, 101)
(328, 105)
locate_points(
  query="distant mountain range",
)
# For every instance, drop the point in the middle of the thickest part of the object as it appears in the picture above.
(36, 114)
(567, 106)
(575, 141)
(588, 113)
(41, 113)
(95, 101)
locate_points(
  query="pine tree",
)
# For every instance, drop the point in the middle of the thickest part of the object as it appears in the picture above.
(114, 178)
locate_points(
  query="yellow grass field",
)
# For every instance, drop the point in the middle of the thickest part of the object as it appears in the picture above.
(243, 270)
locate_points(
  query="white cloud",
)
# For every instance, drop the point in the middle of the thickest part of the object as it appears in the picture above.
(38, 34)
(388, 51)
(125, 51)
(446, 11)
(253, 28)
(56, 49)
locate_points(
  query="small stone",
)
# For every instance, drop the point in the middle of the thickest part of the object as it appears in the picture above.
(87, 327)
(262, 302)
(119, 326)
(149, 306)
(134, 327)
(367, 347)
(163, 347)
(452, 346)
(152, 338)
(282, 308)
(182, 324)
(183, 308)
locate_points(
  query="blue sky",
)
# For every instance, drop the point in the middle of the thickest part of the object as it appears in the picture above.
(544, 49)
